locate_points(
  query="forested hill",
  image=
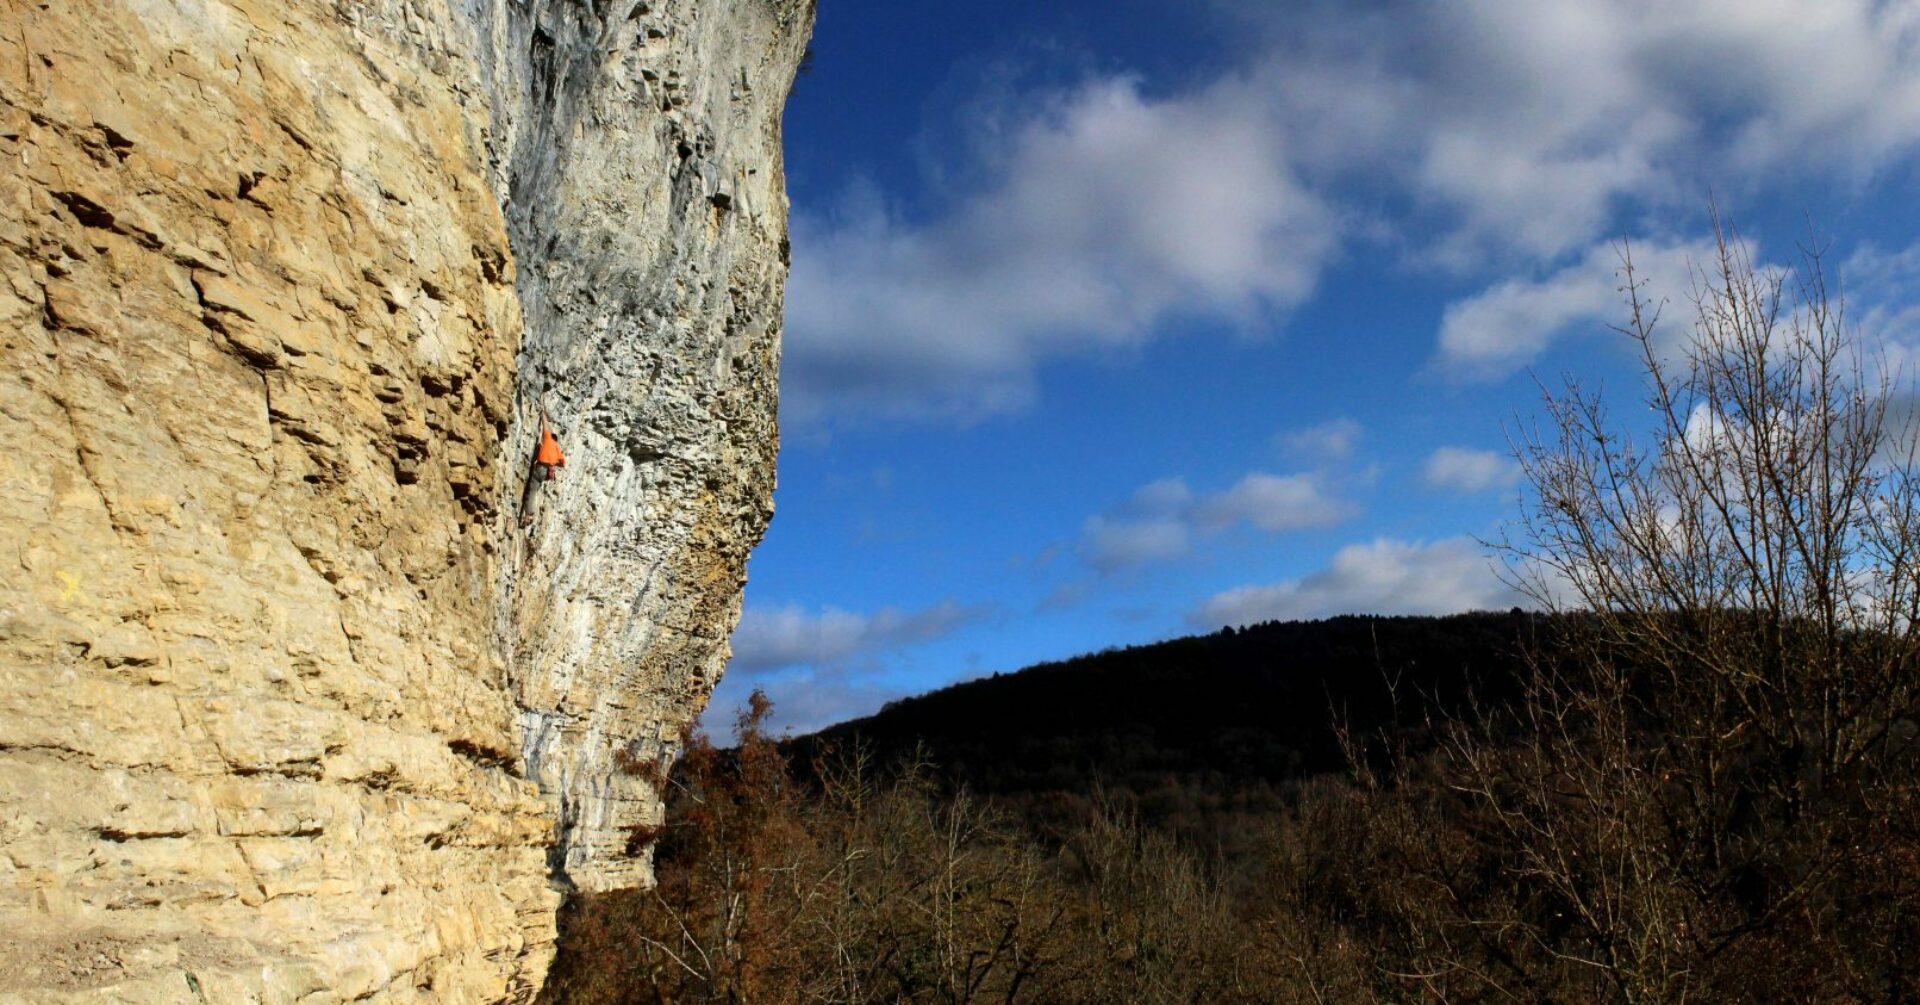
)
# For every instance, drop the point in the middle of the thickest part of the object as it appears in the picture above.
(1195, 726)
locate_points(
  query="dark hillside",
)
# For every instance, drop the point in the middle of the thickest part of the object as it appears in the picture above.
(1192, 729)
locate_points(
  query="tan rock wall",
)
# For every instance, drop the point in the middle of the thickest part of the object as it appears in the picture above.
(290, 709)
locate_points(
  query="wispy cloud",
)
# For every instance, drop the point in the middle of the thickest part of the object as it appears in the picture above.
(1333, 440)
(824, 665)
(1385, 576)
(1066, 596)
(1110, 544)
(1162, 520)
(1510, 324)
(769, 638)
(1465, 469)
(1882, 289)
(803, 701)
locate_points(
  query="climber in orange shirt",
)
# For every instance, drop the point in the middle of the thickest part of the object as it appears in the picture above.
(549, 455)
(548, 458)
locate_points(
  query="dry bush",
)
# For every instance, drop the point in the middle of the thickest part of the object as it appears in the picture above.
(853, 891)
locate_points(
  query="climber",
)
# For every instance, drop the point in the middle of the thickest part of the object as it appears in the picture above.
(547, 460)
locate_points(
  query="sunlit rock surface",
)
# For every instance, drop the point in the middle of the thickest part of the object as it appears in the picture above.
(292, 706)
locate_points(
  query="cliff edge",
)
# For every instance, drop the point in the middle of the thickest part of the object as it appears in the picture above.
(296, 702)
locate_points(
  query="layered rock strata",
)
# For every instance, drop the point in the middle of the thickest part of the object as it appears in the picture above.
(295, 703)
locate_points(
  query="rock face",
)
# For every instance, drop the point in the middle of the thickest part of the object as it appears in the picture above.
(296, 703)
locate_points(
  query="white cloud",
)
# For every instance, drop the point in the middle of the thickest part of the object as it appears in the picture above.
(1106, 213)
(1275, 503)
(802, 701)
(1162, 520)
(1385, 576)
(1509, 325)
(1110, 545)
(1166, 497)
(1882, 289)
(769, 638)
(1464, 469)
(1332, 440)
(1151, 526)
(1066, 596)
(824, 666)
(1521, 125)
(1482, 135)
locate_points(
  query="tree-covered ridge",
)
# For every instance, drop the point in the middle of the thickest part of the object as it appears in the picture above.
(1196, 726)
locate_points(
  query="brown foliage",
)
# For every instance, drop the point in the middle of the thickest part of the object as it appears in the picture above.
(856, 888)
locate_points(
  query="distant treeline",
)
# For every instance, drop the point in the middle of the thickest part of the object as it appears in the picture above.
(1195, 733)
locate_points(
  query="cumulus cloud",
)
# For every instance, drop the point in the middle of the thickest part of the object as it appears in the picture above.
(1522, 125)
(1505, 134)
(1163, 498)
(1333, 440)
(769, 638)
(1162, 520)
(1464, 469)
(1103, 214)
(1275, 503)
(1385, 576)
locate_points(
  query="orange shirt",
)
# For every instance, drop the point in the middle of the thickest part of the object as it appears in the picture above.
(549, 452)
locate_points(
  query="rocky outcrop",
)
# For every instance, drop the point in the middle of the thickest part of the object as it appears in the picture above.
(642, 163)
(295, 703)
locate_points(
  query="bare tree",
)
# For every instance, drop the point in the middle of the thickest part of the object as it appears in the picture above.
(1712, 768)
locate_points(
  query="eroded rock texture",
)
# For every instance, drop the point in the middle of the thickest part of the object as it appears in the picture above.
(643, 159)
(292, 707)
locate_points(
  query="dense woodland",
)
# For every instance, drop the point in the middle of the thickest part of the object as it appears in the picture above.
(1699, 781)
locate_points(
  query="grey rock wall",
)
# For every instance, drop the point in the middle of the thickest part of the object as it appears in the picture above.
(638, 148)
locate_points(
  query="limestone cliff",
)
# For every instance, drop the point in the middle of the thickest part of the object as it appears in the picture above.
(294, 704)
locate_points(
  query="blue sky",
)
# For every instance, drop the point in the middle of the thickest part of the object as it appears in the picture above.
(1112, 322)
